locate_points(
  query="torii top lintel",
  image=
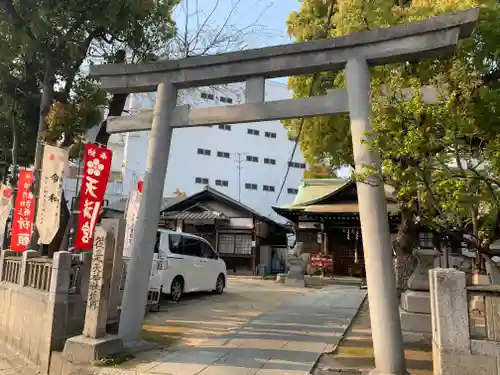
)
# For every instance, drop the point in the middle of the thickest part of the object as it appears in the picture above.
(436, 36)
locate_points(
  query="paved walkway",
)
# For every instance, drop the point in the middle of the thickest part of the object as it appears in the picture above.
(355, 355)
(11, 364)
(287, 340)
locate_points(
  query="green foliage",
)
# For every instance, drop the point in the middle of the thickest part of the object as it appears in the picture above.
(58, 39)
(442, 160)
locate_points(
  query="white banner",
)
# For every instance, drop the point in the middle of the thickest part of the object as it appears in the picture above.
(51, 184)
(5, 207)
(130, 220)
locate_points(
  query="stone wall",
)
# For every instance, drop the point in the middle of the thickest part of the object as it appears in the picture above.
(42, 303)
(465, 339)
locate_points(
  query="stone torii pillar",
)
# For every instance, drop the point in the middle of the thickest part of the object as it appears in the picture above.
(380, 276)
(139, 268)
(434, 37)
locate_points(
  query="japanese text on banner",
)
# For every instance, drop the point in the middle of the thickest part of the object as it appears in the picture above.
(24, 212)
(97, 166)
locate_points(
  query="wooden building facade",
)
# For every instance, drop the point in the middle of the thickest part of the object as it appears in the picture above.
(325, 215)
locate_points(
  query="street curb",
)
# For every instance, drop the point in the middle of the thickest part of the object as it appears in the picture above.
(332, 348)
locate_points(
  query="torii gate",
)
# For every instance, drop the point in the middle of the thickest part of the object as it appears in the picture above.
(431, 38)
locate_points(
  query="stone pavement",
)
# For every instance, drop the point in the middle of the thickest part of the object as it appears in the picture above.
(355, 355)
(11, 364)
(287, 340)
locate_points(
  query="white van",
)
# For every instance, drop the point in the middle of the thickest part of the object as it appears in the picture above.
(186, 263)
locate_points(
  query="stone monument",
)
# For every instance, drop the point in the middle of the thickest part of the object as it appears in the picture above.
(295, 276)
(415, 310)
(95, 343)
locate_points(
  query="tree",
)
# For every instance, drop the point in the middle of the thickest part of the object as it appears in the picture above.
(44, 50)
(179, 193)
(441, 159)
(319, 171)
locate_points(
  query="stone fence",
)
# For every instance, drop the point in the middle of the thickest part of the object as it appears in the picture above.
(465, 333)
(42, 302)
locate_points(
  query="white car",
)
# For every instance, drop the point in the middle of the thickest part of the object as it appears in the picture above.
(186, 263)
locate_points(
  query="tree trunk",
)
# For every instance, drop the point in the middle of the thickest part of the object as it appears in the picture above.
(403, 247)
(116, 107)
(404, 266)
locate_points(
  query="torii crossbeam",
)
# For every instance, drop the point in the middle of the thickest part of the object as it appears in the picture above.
(431, 38)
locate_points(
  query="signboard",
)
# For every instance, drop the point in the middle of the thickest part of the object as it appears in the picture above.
(5, 207)
(96, 169)
(51, 184)
(130, 220)
(24, 213)
(321, 260)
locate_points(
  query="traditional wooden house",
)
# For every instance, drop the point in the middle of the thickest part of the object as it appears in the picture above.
(242, 237)
(325, 215)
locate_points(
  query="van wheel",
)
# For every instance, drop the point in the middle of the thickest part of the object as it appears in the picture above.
(220, 284)
(176, 289)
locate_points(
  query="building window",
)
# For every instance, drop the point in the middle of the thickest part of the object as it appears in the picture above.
(225, 127)
(205, 95)
(224, 99)
(223, 183)
(269, 161)
(253, 131)
(201, 180)
(267, 188)
(239, 244)
(250, 186)
(202, 151)
(296, 165)
(270, 135)
(253, 159)
(222, 154)
(293, 191)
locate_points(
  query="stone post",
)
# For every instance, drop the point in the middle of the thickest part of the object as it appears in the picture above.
(95, 344)
(139, 267)
(24, 265)
(57, 306)
(59, 280)
(86, 259)
(450, 321)
(99, 284)
(381, 280)
(118, 228)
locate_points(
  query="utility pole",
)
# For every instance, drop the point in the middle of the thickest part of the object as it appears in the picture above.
(239, 161)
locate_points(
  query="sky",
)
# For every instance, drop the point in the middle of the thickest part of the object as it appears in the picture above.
(270, 14)
(263, 21)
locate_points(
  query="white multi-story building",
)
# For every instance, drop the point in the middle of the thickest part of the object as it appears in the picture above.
(248, 162)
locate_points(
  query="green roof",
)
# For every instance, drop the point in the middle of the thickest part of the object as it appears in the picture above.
(313, 189)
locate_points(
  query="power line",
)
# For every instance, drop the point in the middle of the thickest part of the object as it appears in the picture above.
(313, 82)
(239, 161)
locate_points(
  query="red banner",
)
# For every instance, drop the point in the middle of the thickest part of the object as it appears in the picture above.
(97, 166)
(24, 212)
(321, 260)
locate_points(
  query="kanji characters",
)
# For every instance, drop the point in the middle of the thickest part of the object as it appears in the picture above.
(90, 186)
(97, 165)
(87, 209)
(23, 239)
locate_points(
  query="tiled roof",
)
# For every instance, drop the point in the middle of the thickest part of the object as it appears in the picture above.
(121, 205)
(187, 215)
